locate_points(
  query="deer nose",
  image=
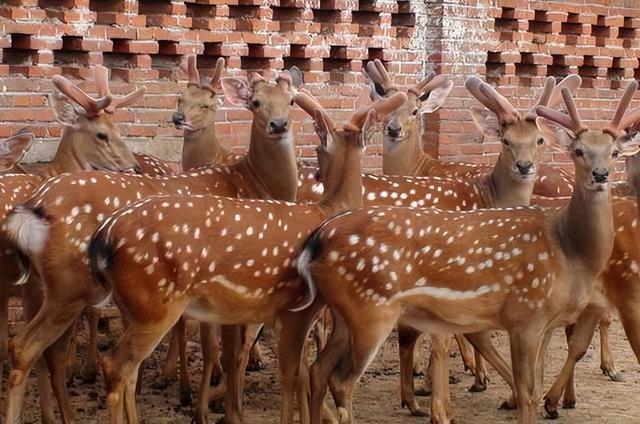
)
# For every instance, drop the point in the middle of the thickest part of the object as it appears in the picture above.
(393, 130)
(177, 118)
(600, 176)
(278, 126)
(524, 167)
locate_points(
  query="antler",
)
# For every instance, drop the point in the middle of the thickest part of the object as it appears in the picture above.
(382, 108)
(572, 82)
(310, 104)
(543, 100)
(192, 71)
(428, 83)
(89, 104)
(571, 121)
(491, 99)
(379, 75)
(102, 83)
(620, 121)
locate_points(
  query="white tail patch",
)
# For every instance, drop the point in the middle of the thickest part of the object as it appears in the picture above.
(447, 293)
(225, 282)
(28, 231)
(303, 262)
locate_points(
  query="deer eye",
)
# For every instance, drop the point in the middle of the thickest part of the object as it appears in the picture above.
(255, 103)
(102, 137)
(579, 152)
(415, 112)
(615, 154)
(540, 141)
(505, 142)
(291, 102)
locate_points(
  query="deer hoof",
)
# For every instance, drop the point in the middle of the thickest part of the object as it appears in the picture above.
(343, 415)
(508, 405)
(569, 404)
(478, 386)
(611, 372)
(414, 409)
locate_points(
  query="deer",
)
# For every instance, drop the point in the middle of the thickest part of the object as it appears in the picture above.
(402, 139)
(246, 251)
(90, 140)
(268, 171)
(522, 270)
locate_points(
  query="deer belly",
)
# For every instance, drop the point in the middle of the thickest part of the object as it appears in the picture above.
(447, 319)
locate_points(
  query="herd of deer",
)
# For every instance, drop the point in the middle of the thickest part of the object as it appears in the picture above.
(242, 241)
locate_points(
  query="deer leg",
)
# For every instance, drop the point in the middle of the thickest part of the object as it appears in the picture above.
(417, 361)
(466, 352)
(185, 386)
(292, 335)
(120, 366)
(31, 302)
(578, 338)
(606, 357)
(57, 356)
(365, 343)
(480, 372)
(170, 368)
(407, 338)
(89, 372)
(256, 359)
(524, 348)
(482, 343)
(4, 326)
(325, 364)
(217, 373)
(232, 343)
(440, 398)
(207, 335)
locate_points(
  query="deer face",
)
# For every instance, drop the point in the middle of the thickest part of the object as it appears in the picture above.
(97, 144)
(595, 155)
(196, 109)
(402, 124)
(521, 145)
(270, 102)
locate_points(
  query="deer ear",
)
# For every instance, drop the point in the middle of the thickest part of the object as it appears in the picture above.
(369, 128)
(237, 90)
(321, 126)
(13, 148)
(63, 109)
(556, 136)
(296, 77)
(629, 146)
(487, 122)
(436, 98)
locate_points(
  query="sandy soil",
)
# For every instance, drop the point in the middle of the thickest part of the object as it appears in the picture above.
(377, 397)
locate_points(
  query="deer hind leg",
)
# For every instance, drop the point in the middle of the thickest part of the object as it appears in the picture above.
(293, 329)
(482, 343)
(466, 353)
(365, 343)
(57, 356)
(88, 372)
(234, 369)
(256, 358)
(120, 367)
(30, 342)
(525, 345)
(606, 357)
(578, 338)
(336, 346)
(185, 385)
(4, 326)
(441, 408)
(170, 368)
(407, 338)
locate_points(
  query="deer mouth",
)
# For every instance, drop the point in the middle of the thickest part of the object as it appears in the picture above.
(184, 125)
(594, 185)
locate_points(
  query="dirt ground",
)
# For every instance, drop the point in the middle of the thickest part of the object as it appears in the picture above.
(377, 398)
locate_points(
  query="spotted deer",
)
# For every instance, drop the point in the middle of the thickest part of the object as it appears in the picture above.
(53, 228)
(90, 140)
(403, 153)
(523, 270)
(237, 259)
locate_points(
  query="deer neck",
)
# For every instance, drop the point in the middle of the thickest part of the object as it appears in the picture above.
(347, 193)
(272, 163)
(406, 158)
(200, 147)
(65, 159)
(501, 189)
(584, 228)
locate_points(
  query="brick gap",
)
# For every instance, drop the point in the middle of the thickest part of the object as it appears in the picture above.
(118, 60)
(403, 19)
(107, 5)
(165, 64)
(572, 26)
(13, 56)
(339, 65)
(206, 64)
(213, 49)
(506, 25)
(376, 53)
(254, 64)
(199, 10)
(244, 12)
(301, 62)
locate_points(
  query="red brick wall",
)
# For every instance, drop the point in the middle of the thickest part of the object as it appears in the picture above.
(515, 42)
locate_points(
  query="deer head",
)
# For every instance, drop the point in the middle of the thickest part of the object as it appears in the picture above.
(341, 148)
(198, 105)
(594, 152)
(270, 101)
(521, 140)
(91, 139)
(13, 148)
(404, 123)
